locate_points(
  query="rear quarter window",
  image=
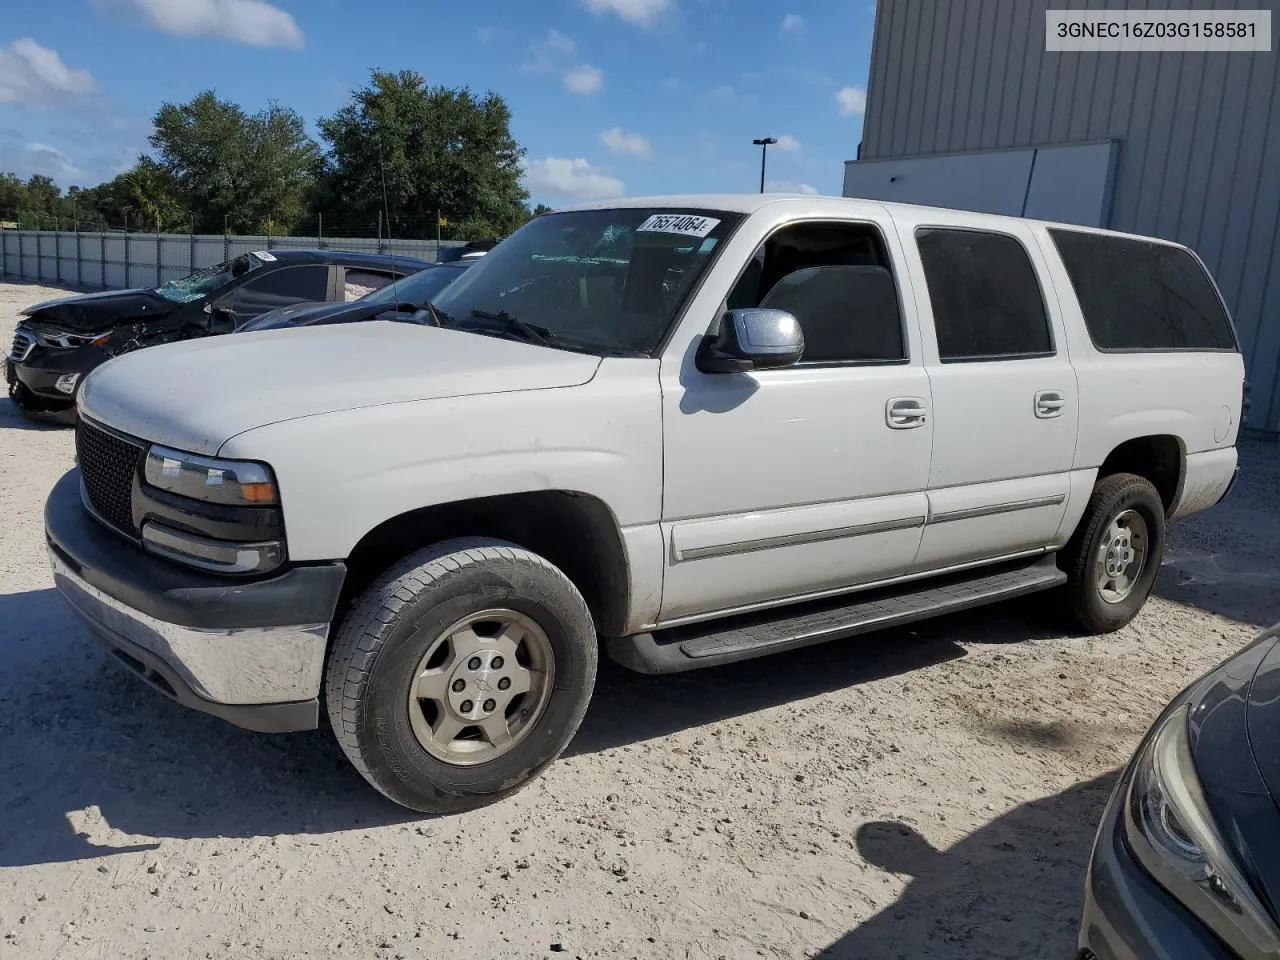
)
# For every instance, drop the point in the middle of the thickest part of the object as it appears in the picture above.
(1139, 295)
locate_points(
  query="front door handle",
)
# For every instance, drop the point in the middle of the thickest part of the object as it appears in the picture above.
(1050, 403)
(904, 413)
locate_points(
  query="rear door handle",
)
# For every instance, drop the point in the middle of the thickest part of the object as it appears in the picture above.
(904, 413)
(1050, 403)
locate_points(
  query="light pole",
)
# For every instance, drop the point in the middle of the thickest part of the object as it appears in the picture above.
(763, 144)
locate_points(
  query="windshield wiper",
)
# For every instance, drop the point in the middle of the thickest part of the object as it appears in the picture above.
(539, 335)
(438, 316)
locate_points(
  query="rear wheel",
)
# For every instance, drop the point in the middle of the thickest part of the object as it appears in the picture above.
(460, 674)
(1114, 557)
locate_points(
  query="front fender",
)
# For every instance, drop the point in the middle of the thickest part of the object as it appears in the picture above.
(342, 474)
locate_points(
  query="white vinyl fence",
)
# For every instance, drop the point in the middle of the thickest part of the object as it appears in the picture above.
(122, 260)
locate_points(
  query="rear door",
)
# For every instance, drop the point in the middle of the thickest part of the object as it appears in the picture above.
(356, 282)
(1005, 399)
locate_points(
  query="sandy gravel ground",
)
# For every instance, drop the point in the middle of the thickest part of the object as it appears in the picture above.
(926, 792)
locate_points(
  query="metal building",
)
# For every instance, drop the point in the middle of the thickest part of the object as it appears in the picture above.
(966, 109)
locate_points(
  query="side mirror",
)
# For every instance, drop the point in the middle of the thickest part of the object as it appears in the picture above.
(756, 339)
(222, 320)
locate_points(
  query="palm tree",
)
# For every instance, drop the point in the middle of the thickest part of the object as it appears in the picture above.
(145, 194)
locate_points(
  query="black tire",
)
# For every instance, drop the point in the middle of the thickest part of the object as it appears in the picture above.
(1112, 496)
(391, 627)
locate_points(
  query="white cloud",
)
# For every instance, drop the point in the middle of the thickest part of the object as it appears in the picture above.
(793, 23)
(254, 22)
(558, 42)
(851, 100)
(671, 85)
(584, 80)
(575, 179)
(788, 143)
(724, 92)
(625, 143)
(484, 35)
(643, 13)
(789, 186)
(53, 161)
(36, 76)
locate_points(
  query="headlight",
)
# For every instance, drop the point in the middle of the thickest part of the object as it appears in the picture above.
(236, 483)
(1171, 831)
(62, 338)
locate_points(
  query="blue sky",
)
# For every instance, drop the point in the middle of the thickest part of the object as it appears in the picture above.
(610, 97)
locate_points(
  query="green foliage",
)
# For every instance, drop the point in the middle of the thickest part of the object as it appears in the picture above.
(147, 195)
(233, 169)
(216, 166)
(431, 149)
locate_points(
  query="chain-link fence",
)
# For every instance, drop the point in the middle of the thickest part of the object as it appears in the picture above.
(123, 260)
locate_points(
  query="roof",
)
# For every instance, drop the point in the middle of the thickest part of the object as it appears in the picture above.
(749, 203)
(348, 258)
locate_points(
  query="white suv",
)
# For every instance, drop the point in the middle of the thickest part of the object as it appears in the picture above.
(688, 430)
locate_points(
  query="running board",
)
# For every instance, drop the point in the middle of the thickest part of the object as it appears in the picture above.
(743, 637)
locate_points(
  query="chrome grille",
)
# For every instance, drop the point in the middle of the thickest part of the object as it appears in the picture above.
(23, 344)
(108, 464)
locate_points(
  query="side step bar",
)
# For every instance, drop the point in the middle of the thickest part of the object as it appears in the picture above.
(743, 637)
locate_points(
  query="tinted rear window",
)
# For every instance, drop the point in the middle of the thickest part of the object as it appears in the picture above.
(986, 299)
(1138, 295)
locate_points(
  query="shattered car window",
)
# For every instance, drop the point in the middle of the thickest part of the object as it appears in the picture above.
(210, 279)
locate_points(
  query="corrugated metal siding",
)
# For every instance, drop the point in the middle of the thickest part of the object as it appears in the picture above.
(1199, 155)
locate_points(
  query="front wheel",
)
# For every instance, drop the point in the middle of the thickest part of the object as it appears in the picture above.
(460, 674)
(1114, 556)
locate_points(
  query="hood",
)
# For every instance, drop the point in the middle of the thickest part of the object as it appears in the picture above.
(1235, 743)
(1264, 720)
(197, 394)
(291, 315)
(94, 312)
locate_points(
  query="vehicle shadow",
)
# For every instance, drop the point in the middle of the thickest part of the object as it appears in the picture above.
(1226, 560)
(1013, 888)
(12, 418)
(91, 752)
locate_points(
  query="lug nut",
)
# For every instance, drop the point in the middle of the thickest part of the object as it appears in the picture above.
(504, 683)
(489, 706)
(467, 706)
(497, 663)
(459, 686)
(473, 663)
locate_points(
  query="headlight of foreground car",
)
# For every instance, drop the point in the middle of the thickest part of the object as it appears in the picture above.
(61, 338)
(1172, 832)
(233, 483)
(224, 483)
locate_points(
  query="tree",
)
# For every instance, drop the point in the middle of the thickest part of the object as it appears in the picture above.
(13, 197)
(430, 149)
(44, 201)
(147, 195)
(235, 169)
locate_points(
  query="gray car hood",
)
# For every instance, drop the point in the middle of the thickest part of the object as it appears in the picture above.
(198, 394)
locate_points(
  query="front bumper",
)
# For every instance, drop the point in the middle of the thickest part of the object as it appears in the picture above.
(1127, 915)
(249, 652)
(42, 368)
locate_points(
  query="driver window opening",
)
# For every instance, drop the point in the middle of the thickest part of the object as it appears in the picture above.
(837, 280)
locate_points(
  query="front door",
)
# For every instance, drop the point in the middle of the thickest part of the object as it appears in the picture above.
(810, 479)
(1005, 400)
(281, 288)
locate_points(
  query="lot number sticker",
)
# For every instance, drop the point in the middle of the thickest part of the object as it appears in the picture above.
(264, 256)
(681, 223)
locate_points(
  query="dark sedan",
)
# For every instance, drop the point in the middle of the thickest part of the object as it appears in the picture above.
(62, 340)
(407, 297)
(1187, 860)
